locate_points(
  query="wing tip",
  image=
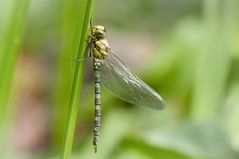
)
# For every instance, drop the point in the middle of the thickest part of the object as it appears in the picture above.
(161, 106)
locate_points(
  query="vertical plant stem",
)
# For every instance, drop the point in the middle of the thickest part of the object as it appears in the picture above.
(214, 60)
(86, 11)
(11, 42)
(68, 14)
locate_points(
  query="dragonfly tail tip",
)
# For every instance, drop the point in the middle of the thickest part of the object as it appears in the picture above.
(95, 148)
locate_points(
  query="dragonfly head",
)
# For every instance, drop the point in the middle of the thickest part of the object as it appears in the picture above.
(99, 31)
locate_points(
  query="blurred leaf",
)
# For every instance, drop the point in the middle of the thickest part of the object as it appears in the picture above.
(9, 50)
(214, 60)
(146, 150)
(230, 114)
(202, 140)
(132, 154)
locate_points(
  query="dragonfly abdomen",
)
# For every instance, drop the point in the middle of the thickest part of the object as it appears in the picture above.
(97, 65)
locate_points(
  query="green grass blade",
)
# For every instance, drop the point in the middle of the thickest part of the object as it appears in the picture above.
(11, 42)
(68, 14)
(81, 30)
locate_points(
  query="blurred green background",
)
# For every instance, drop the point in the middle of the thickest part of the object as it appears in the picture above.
(186, 50)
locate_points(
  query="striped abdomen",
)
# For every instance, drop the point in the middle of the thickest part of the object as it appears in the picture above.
(96, 67)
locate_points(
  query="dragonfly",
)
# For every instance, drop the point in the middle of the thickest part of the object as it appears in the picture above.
(114, 75)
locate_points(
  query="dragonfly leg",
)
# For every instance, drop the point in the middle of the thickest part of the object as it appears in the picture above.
(78, 60)
(88, 52)
(89, 46)
(91, 25)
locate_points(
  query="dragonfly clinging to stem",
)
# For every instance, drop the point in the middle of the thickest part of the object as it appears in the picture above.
(117, 78)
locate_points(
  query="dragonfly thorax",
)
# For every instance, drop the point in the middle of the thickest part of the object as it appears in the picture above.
(100, 46)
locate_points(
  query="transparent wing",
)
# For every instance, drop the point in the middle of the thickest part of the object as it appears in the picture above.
(124, 84)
